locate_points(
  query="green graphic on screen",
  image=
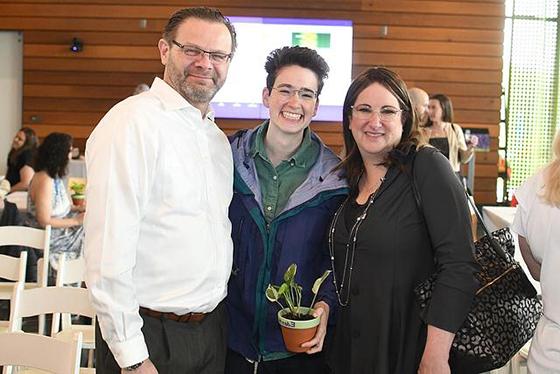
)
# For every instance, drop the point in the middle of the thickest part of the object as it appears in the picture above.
(311, 39)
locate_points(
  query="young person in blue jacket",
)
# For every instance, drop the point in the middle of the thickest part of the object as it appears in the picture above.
(285, 195)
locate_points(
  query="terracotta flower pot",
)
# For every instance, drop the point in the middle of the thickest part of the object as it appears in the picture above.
(297, 332)
(78, 200)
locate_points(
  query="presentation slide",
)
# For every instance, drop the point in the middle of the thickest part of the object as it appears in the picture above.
(241, 95)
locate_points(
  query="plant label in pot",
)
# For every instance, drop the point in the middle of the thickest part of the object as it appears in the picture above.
(297, 332)
(297, 323)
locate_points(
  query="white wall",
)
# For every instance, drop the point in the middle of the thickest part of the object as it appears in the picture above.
(11, 90)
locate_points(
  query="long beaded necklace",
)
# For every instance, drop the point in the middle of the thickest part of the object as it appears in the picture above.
(350, 247)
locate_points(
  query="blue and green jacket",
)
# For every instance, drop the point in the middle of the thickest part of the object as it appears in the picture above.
(262, 252)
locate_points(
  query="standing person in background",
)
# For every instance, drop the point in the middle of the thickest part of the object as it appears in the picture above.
(420, 102)
(158, 238)
(285, 196)
(382, 246)
(20, 159)
(447, 136)
(536, 223)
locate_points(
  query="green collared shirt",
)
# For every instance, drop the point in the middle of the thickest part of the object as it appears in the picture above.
(279, 183)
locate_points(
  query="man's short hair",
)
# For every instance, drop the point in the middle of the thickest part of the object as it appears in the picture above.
(203, 13)
(296, 55)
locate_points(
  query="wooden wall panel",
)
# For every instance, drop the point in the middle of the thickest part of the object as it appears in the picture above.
(444, 46)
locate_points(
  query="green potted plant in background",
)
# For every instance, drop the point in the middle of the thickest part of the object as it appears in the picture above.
(297, 323)
(78, 193)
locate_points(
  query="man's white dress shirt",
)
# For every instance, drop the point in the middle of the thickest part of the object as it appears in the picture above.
(157, 230)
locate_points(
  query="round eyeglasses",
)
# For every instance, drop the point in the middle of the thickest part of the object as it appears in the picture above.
(304, 94)
(365, 112)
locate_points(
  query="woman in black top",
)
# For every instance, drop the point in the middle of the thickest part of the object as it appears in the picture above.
(447, 136)
(20, 159)
(381, 246)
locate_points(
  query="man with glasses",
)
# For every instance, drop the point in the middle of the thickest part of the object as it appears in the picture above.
(285, 196)
(158, 238)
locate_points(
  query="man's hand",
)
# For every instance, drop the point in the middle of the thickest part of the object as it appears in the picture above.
(316, 344)
(146, 368)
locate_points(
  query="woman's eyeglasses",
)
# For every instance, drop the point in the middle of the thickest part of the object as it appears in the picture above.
(365, 112)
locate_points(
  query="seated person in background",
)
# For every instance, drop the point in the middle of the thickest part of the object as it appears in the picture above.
(48, 202)
(20, 159)
(447, 136)
(539, 242)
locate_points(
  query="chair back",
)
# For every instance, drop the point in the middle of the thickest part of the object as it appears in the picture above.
(12, 269)
(69, 272)
(30, 237)
(40, 352)
(47, 300)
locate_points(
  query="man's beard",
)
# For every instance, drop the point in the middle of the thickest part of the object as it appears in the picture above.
(197, 94)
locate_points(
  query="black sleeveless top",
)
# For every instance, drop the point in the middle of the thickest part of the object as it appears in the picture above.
(442, 144)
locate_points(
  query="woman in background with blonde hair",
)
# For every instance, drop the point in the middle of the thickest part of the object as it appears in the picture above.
(537, 223)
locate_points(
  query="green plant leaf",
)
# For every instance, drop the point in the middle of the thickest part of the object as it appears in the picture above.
(319, 282)
(78, 188)
(283, 289)
(290, 274)
(272, 293)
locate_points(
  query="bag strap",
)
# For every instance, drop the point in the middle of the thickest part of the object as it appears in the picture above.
(480, 221)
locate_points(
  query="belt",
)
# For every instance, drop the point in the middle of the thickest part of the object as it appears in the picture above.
(189, 317)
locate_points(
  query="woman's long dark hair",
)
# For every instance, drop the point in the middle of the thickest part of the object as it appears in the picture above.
(446, 109)
(411, 138)
(29, 144)
(52, 154)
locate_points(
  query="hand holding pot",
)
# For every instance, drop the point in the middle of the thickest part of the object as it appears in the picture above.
(316, 344)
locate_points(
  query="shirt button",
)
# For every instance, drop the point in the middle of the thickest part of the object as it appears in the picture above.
(292, 163)
(274, 177)
(269, 208)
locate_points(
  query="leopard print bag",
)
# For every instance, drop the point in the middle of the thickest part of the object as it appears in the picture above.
(505, 310)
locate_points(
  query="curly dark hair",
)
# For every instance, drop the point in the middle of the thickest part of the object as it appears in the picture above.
(299, 56)
(52, 155)
(411, 137)
(203, 13)
(30, 144)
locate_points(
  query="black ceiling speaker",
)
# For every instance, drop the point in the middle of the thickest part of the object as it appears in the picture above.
(77, 45)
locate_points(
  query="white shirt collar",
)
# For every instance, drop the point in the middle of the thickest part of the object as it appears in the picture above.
(172, 100)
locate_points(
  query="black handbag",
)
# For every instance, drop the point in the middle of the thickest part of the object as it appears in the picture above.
(505, 310)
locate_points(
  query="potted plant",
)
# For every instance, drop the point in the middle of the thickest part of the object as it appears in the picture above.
(78, 195)
(297, 323)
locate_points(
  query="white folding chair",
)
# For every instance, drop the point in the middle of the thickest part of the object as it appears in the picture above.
(33, 238)
(47, 300)
(72, 272)
(40, 352)
(12, 269)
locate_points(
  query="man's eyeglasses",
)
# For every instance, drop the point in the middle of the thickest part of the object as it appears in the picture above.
(304, 94)
(365, 112)
(192, 51)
